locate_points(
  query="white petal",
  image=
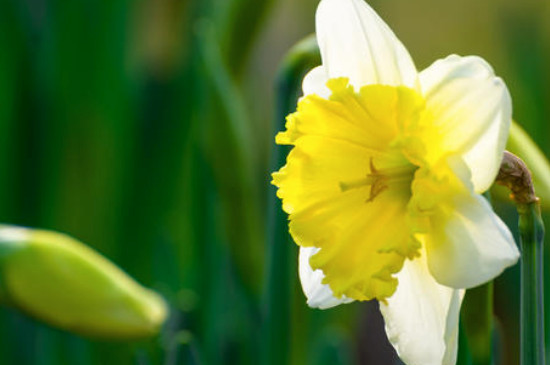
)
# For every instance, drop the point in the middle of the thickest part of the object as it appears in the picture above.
(318, 295)
(472, 110)
(469, 244)
(422, 317)
(315, 82)
(357, 44)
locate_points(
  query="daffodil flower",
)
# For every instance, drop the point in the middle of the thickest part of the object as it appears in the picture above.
(383, 184)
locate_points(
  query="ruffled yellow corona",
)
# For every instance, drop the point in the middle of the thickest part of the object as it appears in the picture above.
(374, 161)
(362, 180)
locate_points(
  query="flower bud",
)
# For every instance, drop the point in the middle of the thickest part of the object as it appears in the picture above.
(59, 280)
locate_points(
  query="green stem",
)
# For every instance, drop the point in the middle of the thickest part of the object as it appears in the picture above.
(276, 333)
(477, 320)
(234, 169)
(238, 40)
(531, 230)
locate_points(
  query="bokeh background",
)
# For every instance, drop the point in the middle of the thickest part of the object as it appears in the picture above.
(145, 129)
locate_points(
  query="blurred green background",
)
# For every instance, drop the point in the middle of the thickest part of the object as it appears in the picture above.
(145, 129)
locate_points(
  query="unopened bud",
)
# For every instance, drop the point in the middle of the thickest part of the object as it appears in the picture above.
(62, 282)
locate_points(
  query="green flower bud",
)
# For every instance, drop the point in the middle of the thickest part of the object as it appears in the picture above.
(59, 280)
(521, 145)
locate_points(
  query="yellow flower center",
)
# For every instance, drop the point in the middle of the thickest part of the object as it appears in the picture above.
(380, 180)
(350, 181)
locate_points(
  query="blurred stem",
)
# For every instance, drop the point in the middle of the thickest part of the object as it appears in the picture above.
(464, 357)
(226, 90)
(238, 39)
(10, 68)
(477, 319)
(531, 230)
(300, 59)
(515, 175)
(232, 154)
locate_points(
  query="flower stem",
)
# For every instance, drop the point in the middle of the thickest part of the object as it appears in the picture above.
(276, 332)
(531, 230)
(517, 177)
(477, 320)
